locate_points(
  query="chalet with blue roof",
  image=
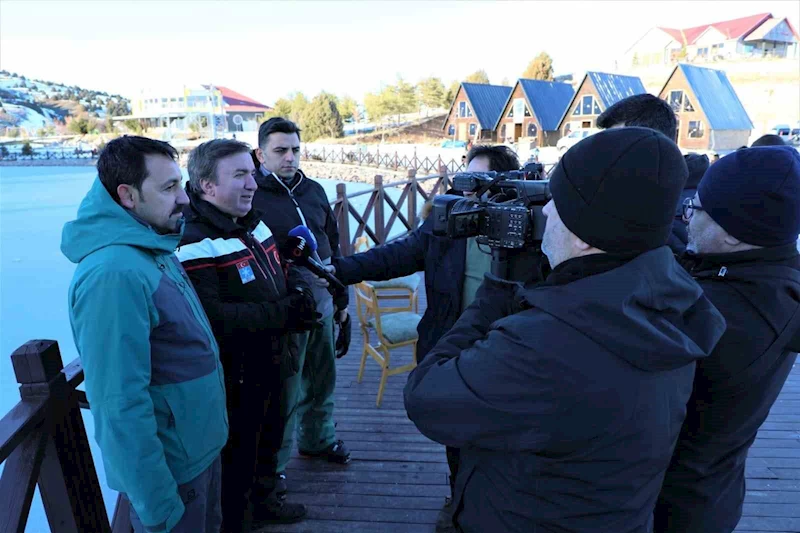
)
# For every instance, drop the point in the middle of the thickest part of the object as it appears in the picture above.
(474, 112)
(710, 114)
(596, 93)
(532, 112)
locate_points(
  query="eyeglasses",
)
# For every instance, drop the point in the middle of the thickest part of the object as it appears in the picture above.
(689, 208)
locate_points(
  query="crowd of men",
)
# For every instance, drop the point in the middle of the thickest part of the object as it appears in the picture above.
(617, 387)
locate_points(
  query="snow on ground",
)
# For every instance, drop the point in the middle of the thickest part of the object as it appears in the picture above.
(28, 118)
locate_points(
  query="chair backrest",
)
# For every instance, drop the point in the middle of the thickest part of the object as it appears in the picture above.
(361, 244)
(368, 306)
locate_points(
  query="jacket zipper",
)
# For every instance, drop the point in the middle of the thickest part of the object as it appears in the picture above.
(291, 195)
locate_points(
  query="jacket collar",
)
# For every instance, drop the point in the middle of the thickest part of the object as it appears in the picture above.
(270, 181)
(585, 266)
(701, 262)
(200, 208)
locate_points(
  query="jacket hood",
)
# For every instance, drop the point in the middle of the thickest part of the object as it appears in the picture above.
(271, 182)
(103, 222)
(649, 311)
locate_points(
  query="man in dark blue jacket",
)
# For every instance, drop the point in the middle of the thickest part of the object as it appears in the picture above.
(566, 397)
(453, 269)
(743, 225)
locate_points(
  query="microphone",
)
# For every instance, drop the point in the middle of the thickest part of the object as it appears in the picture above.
(298, 250)
(304, 232)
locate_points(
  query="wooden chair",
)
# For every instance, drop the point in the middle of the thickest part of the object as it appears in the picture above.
(406, 287)
(393, 330)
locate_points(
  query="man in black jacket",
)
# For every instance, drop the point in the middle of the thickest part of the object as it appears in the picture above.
(743, 225)
(566, 397)
(287, 198)
(453, 269)
(231, 258)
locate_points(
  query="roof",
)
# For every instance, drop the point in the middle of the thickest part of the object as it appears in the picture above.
(763, 31)
(548, 100)
(487, 102)
(732, 29)
(232, 98)
(611, 88)
(714, 93)
(246, 109)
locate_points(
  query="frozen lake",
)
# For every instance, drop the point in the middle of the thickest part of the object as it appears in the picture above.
(35, 202)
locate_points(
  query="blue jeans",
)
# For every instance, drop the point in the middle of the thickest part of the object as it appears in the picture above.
(201, 496)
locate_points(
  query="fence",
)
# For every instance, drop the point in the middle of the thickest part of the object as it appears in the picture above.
(392, 161)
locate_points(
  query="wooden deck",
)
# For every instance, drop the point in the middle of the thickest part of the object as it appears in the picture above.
(397, 479)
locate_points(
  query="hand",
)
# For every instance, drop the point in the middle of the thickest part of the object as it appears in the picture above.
(301, 310)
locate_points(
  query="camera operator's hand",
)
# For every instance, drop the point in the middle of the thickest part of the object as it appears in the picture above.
(301, 310)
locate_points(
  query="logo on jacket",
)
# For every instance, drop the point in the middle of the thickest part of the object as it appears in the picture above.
(245, 271)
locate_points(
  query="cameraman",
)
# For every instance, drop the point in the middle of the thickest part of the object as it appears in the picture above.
(453, 269)
(566, 397)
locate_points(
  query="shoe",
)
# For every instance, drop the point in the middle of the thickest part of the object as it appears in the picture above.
(280, 486)
(335, 453)
(277, 512)
(444, 522)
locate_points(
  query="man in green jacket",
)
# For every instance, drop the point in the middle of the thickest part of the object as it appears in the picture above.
(153, 376)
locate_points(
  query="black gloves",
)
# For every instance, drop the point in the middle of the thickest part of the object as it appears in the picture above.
(343, 339)
(301, 310)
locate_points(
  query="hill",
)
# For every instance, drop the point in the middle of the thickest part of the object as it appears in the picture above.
(426, 130)
(37, 107)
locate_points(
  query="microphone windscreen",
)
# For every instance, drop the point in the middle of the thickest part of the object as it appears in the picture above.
(304, 232)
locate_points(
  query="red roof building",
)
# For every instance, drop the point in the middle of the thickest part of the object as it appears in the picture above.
(760, 35)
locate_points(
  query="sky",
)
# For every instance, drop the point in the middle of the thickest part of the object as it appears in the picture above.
(267, 50)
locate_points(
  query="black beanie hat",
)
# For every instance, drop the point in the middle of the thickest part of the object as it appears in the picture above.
(617, 189)
(754, 194)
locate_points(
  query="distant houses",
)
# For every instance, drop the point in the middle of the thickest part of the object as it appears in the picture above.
(532, 112)
(596, 92)
(474, 111)
(710, 114)
(760, 35)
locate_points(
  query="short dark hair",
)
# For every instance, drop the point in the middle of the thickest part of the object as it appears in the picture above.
(501, 158)
(275, 125)
(643, 110)
(204, 158)
(769, 139)
(122, 161)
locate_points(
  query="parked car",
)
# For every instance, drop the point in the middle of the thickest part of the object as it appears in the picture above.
(574, 137)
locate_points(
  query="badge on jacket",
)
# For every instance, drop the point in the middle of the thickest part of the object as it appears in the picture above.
(245, 271)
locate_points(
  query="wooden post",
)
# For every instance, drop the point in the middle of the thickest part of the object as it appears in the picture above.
(345, 248)
(68, 480)
(395, 160)
(412, 198)
(380, 227)
(323, 154)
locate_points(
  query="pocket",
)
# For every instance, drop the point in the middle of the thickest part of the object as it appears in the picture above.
(199, 416)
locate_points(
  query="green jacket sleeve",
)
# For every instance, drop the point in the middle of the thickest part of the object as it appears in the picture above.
(111, 314)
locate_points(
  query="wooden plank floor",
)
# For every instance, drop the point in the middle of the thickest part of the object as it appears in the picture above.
(397, 479)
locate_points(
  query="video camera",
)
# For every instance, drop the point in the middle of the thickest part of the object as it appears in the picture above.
(504, 212)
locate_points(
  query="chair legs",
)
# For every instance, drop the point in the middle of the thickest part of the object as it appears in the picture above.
(363, 355)
(384, 375)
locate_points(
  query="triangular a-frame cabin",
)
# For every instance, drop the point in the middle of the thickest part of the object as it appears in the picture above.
(474, 111)
(532, 112)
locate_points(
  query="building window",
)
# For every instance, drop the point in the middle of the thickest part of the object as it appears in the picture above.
(696, 129)
(687, 104)
(577, 110)
(451, 130)
(510, 113)
(586, 108)
(503, 131)
(567, 129)
(596, 108)
(469, 111)
(462, 109)
(532, 130)
(473, 128)
(527, 111)
(675, 99)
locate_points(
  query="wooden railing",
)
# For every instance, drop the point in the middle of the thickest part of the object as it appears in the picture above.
(381, 228)
(43, 441)
(388, 160)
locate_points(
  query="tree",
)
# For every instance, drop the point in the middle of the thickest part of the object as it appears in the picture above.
(282, 108)
(453, 91)
(635, 59)
(27, 149)
(479, 76)
(541, 68)
(405, 97)
(3, 152)
(432, 92)
(505, 82)
(321, 118)
(299, 104)
(348, 108)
